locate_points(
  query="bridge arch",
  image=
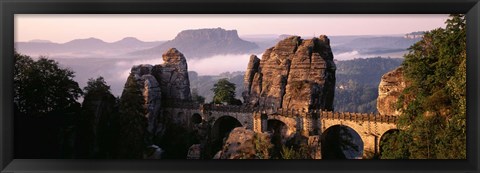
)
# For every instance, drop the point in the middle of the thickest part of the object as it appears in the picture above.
(289, 122)
(196, 118)
(340, 142)
(389, 134)
(221, 129)
(278, 130)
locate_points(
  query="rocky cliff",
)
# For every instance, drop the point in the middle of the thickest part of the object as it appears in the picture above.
(391, 86)
(200, 43)
(162, 84)
(294, 74)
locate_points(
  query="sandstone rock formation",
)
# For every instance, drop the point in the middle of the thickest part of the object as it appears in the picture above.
(240, 144)
(391, 86)
(294, 74)
(172, 76)
(162, 84)
(194, 151)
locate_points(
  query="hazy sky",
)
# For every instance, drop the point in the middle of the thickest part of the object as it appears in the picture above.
(155, 27)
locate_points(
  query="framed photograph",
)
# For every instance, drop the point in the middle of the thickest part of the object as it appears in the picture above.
(205, 86)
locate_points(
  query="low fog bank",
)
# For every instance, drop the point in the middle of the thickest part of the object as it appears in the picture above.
(116, 70)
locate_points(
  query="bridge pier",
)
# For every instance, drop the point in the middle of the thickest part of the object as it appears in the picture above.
(370, 145)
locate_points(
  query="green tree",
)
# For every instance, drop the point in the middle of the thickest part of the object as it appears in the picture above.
(224, 92)
(97, 125)
(133, 123)
(433, 105)
(42, 87)
(45, 97)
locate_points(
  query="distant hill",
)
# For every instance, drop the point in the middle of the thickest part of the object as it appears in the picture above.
(88, 47)
(375, 45)
(357, 83)
(200, 43)
(204, 83)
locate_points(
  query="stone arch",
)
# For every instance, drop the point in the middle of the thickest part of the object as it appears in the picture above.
(180, 118)
(384, 137)
(341, 142)
(196, 118)
(278, 130)
(220, 130)
(290, 124)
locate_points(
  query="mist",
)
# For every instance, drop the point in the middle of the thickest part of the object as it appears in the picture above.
(347, 55)
(116, 70)
(219, 63)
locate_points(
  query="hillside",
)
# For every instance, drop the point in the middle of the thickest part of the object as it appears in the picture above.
(357, 83)
(88, 47)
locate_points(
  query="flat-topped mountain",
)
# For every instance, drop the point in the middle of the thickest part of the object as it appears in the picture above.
(201, 43)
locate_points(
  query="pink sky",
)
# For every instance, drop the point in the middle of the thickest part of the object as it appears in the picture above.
(155, 27)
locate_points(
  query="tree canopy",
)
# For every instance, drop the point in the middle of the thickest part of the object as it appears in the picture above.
(45, 97)
(433, 106)
(224, 92)
(133, 122)
(42, 86)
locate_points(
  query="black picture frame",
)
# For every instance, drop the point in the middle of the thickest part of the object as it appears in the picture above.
(8, 8)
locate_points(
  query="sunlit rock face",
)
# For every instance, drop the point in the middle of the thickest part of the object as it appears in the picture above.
(240, 144)
(294, 74)
(172, 76)
(391, 86)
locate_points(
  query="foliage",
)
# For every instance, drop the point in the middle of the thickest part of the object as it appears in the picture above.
(132, 121)
(303, 152)
(224, 92)
(433, 121)
(262, 146)
(357, 83)
(393, 146)
(42, 87)
(98, 125)
(355, 97)
(45, 99)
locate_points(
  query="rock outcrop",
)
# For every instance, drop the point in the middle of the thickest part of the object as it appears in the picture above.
(294, 74)
(173, 76)
(162, 84)
(391, 86)
(194, 151)
(240, 144)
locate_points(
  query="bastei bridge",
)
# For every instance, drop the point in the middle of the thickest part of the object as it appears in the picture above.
(314, 124)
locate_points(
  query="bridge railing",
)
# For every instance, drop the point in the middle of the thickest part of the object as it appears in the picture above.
(284, 112)
(359, 116)
(228, 108)
(182, 105)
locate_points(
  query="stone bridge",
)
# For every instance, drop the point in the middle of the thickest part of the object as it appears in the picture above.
(314, 124)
